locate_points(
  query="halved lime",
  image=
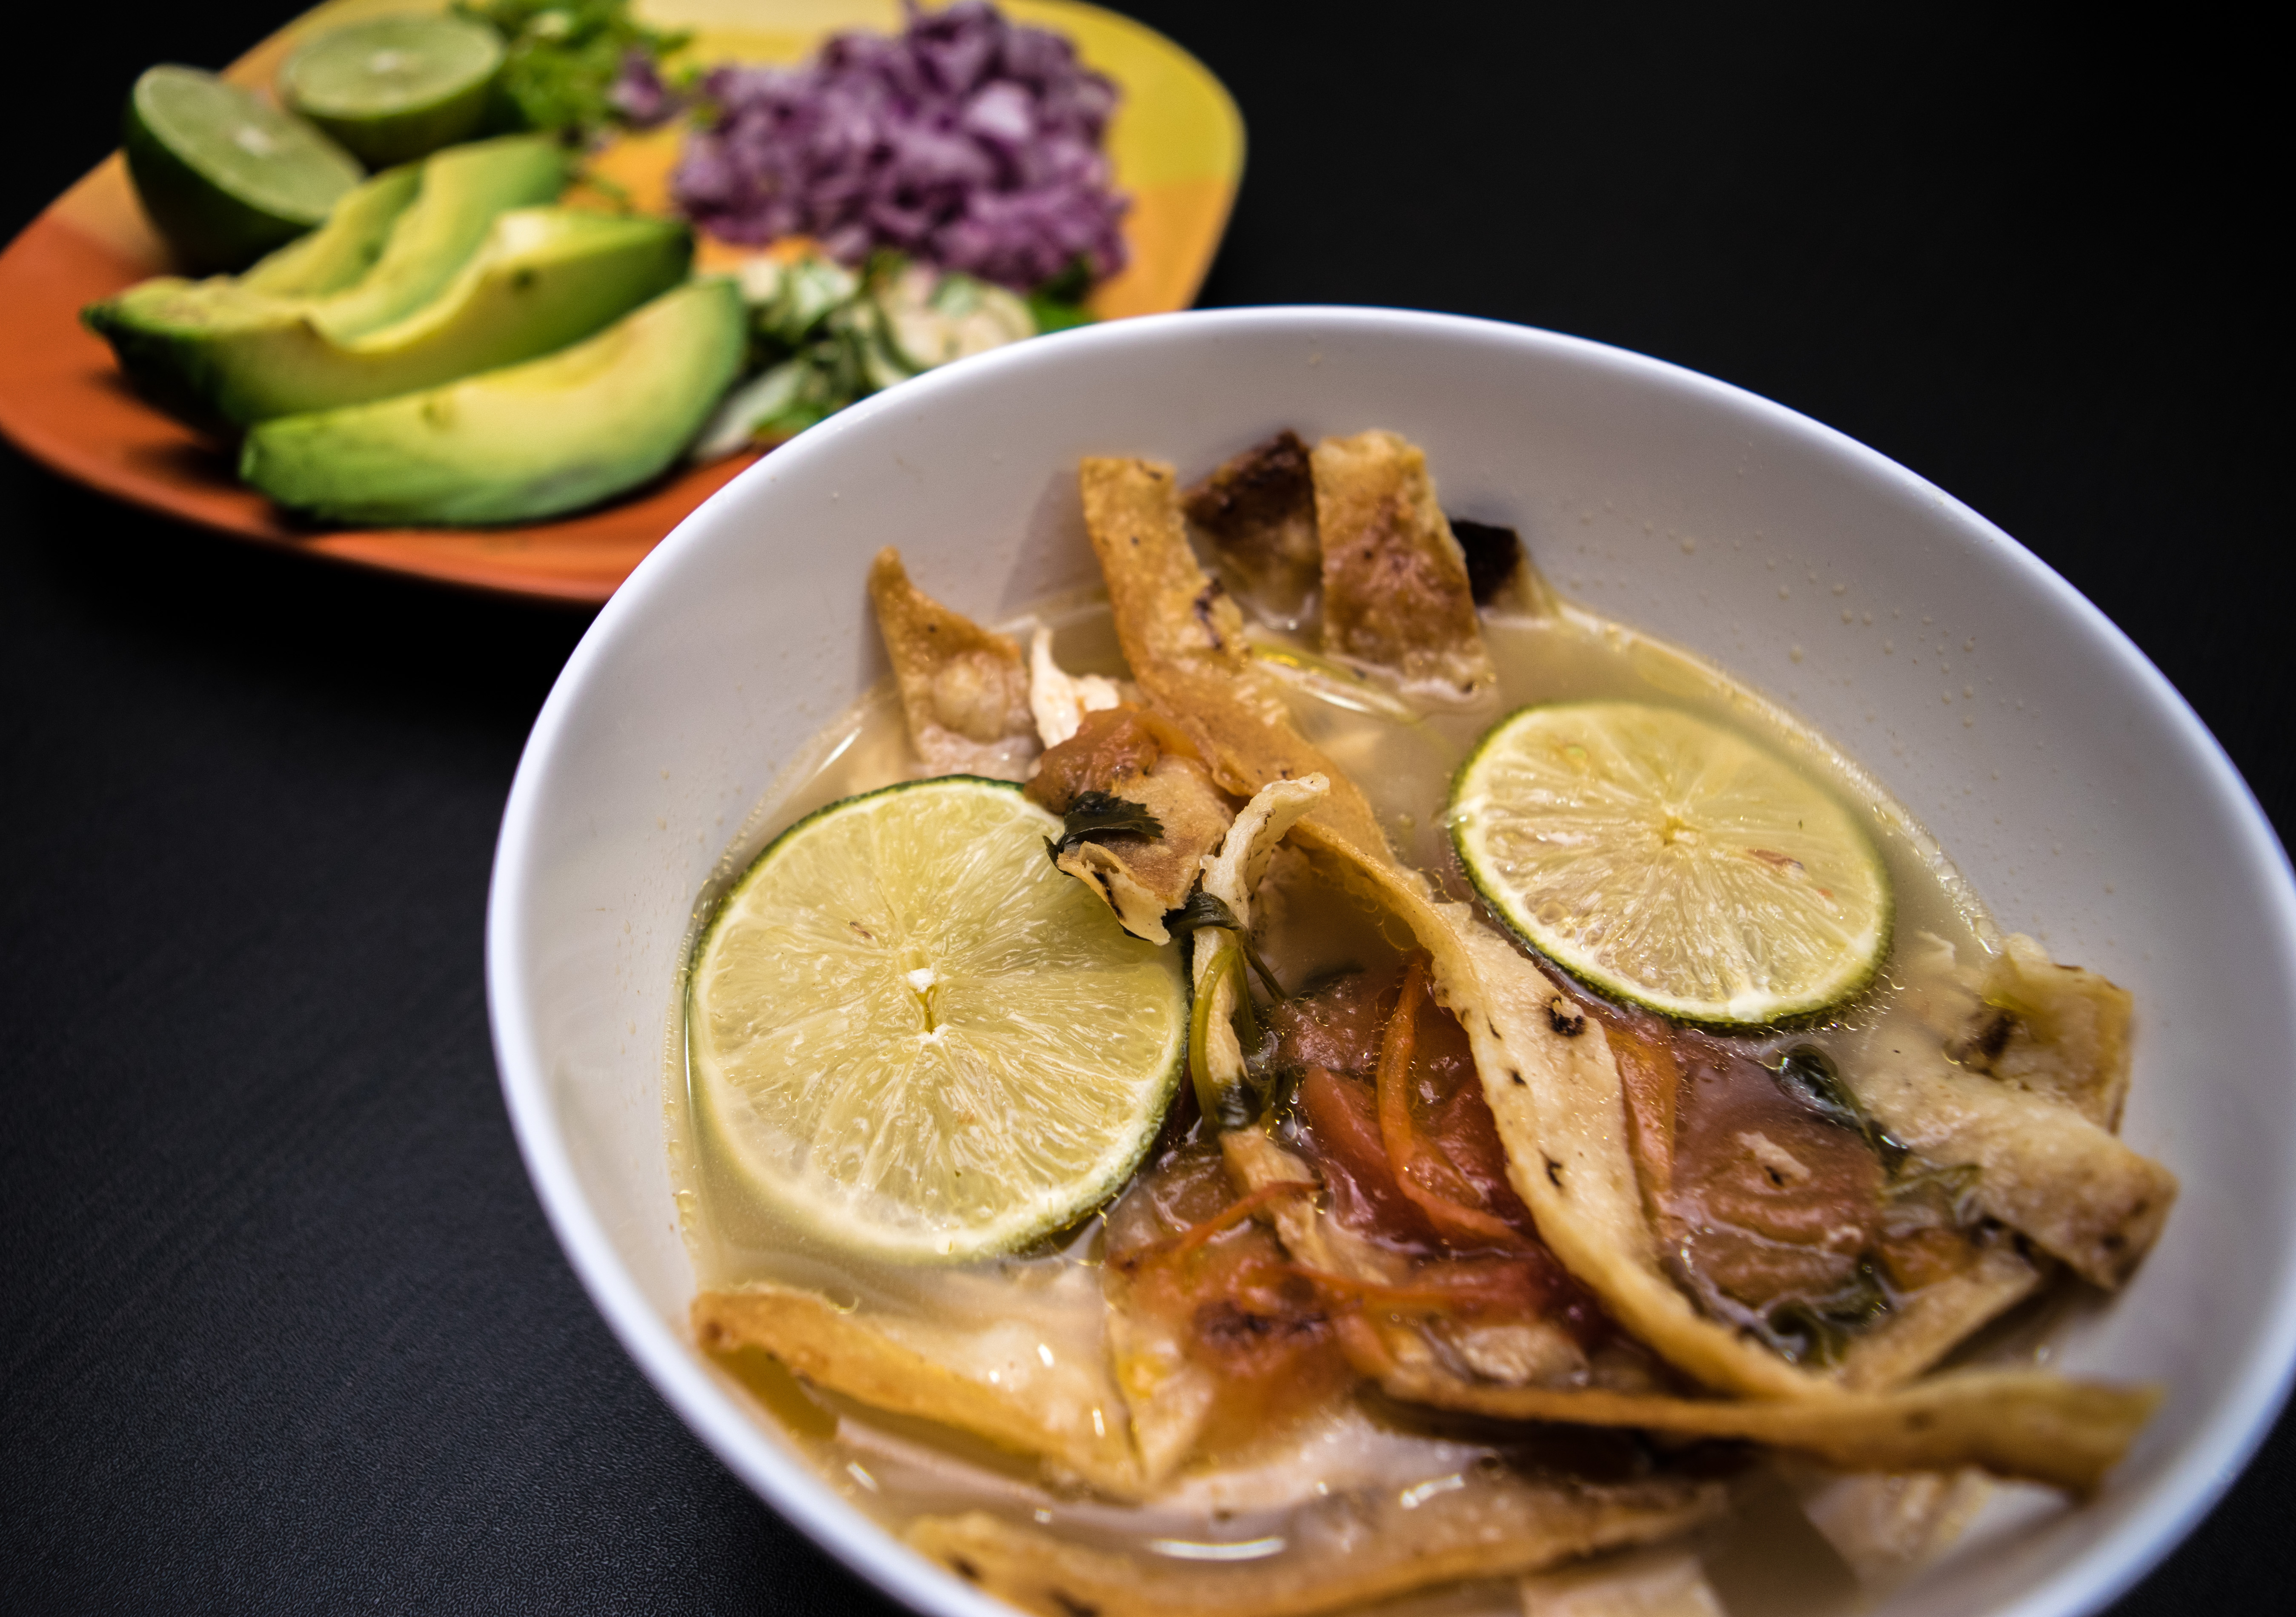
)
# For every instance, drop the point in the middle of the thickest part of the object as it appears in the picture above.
(916, 1039)
(225, 175)
(1669, 861)
(396, 88)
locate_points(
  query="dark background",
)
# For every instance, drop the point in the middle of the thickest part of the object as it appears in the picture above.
(283, 1325)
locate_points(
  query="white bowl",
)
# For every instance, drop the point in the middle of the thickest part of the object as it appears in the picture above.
(2067, 778)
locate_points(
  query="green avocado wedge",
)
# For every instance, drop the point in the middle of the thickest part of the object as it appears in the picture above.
(463, 188)
(338, 254)
(546, 277)
(536, 439)
(169, 332)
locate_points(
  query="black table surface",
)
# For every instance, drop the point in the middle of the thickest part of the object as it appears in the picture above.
(281, 1327)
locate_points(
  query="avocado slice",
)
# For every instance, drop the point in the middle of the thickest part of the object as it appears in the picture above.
(533, 440)
(164, 330)
(463, 188)
(546, 277)
(340, 252)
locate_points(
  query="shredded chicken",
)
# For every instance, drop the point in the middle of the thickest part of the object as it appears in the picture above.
(1059, 699)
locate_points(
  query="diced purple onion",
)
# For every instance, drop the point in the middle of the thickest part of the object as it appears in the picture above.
(638, 92)
(966, 141)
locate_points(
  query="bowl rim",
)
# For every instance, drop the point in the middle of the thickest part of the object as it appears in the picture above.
(2245, 1404)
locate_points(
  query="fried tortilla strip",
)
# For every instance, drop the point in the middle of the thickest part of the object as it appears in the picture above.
(1396, 591)
(1259, 509)
(834, 1350)
(1126, 753)
(2029, 1425)
(1887, 1527)
(1556, 1093)
(1555, 1097)
(1341, 1553)
(2042, 1169)
(1183, 639)
(2058, 1030)
(964, 691)
(2026, 1424)
(1933, 1321)
(1167, 1395)
(1645, 1583)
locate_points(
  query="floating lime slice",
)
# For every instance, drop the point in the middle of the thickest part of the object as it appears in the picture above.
(1671, 862)
(396, 88)
(225, 176)
(916, 1039)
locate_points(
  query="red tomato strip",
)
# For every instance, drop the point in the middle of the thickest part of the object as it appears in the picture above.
(1236, 1212)
(1457, 1223)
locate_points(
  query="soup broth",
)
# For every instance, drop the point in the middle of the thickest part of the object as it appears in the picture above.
(1033, 1322)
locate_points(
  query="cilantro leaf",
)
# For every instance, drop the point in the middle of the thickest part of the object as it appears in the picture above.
(1202, 909)
(1097, 814)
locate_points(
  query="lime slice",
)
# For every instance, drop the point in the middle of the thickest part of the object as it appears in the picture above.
(225, 176)
(396, 88)
(916, 1039)
(1671, 862)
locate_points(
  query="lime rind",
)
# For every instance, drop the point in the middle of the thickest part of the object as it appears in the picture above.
(1724, 936)
(1028, 1079)
(225, 176)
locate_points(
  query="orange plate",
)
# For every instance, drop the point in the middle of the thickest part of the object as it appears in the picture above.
(1177, 145)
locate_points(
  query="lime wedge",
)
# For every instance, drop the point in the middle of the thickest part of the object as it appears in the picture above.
(396, 88)
(1671, 862)
(916, 1039)
(225, 176)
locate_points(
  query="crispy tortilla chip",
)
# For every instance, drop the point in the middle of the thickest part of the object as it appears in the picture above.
(1397, 596)
(2058, 1030)
(1183, 639)
(2029, 1425)
(1886, 1527)
(2022, 1424)
(1554, 1094)
(1337, 1554)
(1645, 1583)
(1929, 1323)
(1145, 878)
(964, 691)
(2042, 1169)
(1259, 509)
(1169, 1395)
(832, 1349)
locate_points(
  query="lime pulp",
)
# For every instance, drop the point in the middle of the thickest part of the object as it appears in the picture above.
(396, 88)
(225, 176)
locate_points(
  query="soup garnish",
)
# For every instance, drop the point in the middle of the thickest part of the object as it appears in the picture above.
(1453, 1259)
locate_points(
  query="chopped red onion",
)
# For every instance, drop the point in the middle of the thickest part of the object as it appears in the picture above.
(966, 141)
(638, 92)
